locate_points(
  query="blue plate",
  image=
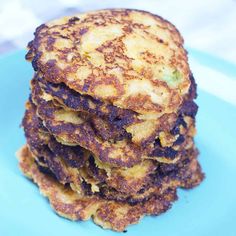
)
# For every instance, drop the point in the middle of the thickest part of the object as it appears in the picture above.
(209, 209)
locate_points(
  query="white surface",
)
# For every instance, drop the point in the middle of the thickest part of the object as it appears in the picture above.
(207, 25)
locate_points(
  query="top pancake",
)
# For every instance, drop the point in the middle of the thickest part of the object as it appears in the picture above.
(132, 59)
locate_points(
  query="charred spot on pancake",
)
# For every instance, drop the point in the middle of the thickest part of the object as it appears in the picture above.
(167, 152)
(45, 170)
(87, 188)
(192, 94)
(176, 129)
(189, 108)
(73, 20)
(106, 131)
(98, 173)
(73, 155)
(179, 140)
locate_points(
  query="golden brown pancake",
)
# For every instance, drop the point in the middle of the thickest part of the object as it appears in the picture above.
(71, 128)
(120, 122)
(71, 205)
(117, 124)
(106, 213)
(132, 59)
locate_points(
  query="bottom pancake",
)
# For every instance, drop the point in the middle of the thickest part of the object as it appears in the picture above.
(106, 213)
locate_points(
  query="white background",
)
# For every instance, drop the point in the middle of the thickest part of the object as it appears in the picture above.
(207, 25)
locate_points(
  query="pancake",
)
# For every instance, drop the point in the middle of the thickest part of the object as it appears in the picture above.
(132, 59)
(70, 127)
(142, 131)
(123, 186)
(78, 102)
(185, 174)
(71, 205)
(120, 122)
(106, 213)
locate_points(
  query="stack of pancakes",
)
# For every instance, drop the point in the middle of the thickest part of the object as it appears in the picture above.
(111, 116)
